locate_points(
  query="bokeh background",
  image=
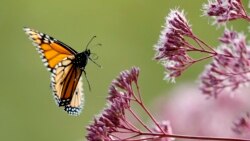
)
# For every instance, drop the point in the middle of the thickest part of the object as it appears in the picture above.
(127, 29)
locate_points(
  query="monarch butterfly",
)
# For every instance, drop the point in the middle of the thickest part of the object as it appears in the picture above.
(66, 66)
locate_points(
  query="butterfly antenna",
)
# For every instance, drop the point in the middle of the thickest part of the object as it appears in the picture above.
(90, 42)
(87, 79)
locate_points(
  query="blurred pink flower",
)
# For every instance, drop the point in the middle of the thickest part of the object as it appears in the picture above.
(242, 125)
(191, 114)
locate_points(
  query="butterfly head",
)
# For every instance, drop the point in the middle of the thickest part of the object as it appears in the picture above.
(87, 52)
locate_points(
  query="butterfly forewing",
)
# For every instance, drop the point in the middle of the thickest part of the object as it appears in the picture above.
(52, 51)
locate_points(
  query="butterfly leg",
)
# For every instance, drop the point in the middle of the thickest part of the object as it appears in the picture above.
(87, 79)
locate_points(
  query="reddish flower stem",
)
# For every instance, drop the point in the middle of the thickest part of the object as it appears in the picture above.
(130, 125)
(145, 109)
(209, 52)
(204, 58)
(245, 13)
(209, 47)
(134, 136)
(138, 91)
(114, 136)
(197, 41)
(190, 137)
(137, 118)
(135, 97)
(151, 117)
(203, 51)
(126, 132)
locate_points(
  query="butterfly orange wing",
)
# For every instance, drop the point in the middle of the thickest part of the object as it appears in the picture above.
(52, 51)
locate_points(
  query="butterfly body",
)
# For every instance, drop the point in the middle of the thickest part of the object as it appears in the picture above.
(81, 59)
(66, 66)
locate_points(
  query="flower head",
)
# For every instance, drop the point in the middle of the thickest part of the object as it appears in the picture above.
(106, 123)
(230, 68)
(122, 85)
(224, 10)
(112, 117)
(171, 48)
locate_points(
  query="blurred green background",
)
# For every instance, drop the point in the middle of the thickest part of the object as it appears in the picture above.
(127, 29)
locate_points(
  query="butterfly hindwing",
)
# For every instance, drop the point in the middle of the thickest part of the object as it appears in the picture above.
(76, 103)
(67, 86)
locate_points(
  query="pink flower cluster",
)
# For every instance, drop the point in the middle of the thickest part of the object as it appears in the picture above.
(113, 117)
(230, 68)
(225, 10)
(171, 49)
(113, 123)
